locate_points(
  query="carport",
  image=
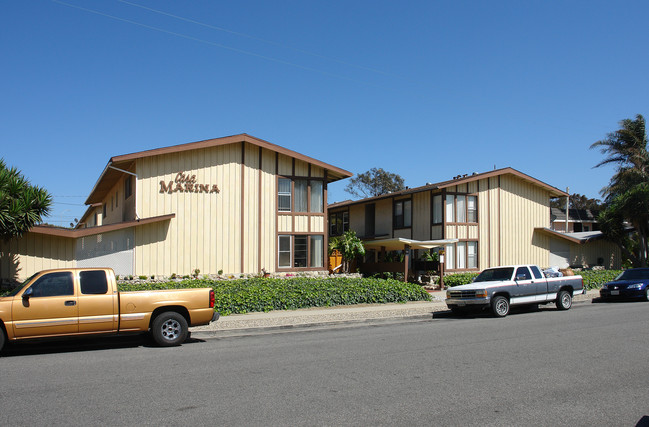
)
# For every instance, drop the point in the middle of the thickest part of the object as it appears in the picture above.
(379, 265)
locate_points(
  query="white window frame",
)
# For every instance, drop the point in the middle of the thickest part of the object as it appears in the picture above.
(290, 251)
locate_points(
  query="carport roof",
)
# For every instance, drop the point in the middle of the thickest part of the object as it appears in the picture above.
(399, 243)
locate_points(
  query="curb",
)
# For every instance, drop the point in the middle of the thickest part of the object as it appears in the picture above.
(262, 330)
(301, 319)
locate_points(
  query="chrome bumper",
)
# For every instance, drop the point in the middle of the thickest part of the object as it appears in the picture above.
(466, 301)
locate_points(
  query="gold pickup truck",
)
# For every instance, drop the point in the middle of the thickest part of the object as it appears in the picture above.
(84, 301)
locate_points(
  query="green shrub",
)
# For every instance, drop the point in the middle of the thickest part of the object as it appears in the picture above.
(595, 279)
(458, 279)
(259, 294)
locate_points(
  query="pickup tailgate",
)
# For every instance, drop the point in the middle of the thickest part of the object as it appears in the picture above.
(137, 307)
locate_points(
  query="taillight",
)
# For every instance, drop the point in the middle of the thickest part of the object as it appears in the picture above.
(211, 298)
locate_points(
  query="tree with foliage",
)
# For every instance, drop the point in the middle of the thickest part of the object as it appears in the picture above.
(577, 201)
(349, 246)
(627, 194)
(22, 205)
(374, 182)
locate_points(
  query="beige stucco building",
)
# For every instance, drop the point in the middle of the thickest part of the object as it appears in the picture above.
(481, 220)
(234, 205)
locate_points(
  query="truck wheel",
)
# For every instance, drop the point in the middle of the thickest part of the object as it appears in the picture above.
(169, 329)
(564, 300)
(500, 306)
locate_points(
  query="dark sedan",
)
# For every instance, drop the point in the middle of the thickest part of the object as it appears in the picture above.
(630, 284)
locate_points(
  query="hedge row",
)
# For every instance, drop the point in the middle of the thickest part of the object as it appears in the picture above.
(592, 279)
(258, 294)
(595, 279)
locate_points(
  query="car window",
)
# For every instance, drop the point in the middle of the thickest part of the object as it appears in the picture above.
(495, 274)
(53, 285)
(93, 282)
(523, 271)
(634, 274)
(537, 273)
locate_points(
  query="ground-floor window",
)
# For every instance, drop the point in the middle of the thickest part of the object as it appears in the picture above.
(461, 256)
(300, 251)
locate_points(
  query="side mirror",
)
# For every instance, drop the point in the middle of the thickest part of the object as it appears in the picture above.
(520, 277)
(28, 293)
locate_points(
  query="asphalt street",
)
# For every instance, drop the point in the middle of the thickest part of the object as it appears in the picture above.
(585, 366)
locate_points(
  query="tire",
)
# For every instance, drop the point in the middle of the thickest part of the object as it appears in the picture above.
(646, 294)
(564, 300)
(500, 306)
(3, 338)
(169, 329)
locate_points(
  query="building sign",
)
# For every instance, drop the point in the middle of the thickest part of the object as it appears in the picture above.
(187, 184)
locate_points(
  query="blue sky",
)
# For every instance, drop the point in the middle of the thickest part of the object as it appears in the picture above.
(428, 90)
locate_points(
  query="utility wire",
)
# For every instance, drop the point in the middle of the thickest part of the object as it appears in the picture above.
(213, 27)
(245, 52)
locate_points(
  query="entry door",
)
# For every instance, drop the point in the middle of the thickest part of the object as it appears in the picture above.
(50, 309)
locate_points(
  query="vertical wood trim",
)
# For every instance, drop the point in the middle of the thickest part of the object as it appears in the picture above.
(325, 239)
(391, 217)
(308, 210)
(488, 212)
(276, 242)
(259, 213)
(431, 222)
(444, 215)
(500, 236)
(293, 205)
(243, 203)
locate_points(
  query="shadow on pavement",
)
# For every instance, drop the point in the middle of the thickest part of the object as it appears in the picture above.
(599, 300)
(482, 314)
(72, 345)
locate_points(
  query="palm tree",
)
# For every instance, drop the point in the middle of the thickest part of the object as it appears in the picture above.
(626, 148)
(22, 205)
(349, 246)
(627, 194)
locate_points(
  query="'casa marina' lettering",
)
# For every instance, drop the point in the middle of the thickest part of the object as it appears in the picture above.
(187, 184)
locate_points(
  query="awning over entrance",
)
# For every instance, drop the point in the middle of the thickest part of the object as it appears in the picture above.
(400, 243)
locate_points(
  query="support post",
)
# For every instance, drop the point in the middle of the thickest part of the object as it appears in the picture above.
(406, 261)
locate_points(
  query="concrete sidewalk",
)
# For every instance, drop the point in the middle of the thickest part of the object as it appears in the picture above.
(320, 316)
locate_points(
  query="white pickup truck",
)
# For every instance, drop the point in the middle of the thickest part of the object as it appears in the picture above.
(499, 288)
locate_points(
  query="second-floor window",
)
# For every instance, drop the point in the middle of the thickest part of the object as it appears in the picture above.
(402, 213)
(338, 223)
(128, 187)
(458, 208)
(300, 195)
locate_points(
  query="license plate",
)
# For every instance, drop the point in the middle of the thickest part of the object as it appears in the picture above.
(615, 292)
(461, 304)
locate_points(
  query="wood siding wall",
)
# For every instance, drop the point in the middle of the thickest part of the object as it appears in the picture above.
(20, 258)
(509, 209)
(233, 230)
(588, 254)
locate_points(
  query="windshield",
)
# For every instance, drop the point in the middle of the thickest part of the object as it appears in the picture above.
(19, 287)
(634, 274)
(495, 275)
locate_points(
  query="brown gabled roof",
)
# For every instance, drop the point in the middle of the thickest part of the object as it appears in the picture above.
(110, 176)
(91, 231)
(462, 179)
